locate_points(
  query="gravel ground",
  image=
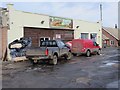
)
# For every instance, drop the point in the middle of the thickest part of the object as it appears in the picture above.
(97, 71)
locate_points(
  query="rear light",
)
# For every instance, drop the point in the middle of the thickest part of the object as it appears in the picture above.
(46, 52)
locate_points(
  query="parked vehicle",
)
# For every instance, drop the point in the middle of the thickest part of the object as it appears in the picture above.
(69, 44)
(49, 50)
(85, 46)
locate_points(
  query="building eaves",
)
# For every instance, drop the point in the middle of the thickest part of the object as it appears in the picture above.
(104, 37)
(106, 29)
(57, 16)
(32, 13)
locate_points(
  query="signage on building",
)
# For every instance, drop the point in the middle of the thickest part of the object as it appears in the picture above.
(56, 22)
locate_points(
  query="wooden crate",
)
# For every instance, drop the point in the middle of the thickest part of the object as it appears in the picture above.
(18, 59)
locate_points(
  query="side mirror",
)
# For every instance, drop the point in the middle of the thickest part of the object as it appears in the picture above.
(97, 44)
(67, 46)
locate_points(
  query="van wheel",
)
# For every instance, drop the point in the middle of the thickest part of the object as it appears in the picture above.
(54, 60)
(88, 53)
(74, 54)
(99, 52)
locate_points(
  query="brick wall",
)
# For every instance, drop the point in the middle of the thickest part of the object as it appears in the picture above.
(110, 38)
(37, 33)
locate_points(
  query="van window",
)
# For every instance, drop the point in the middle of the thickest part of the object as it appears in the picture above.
(95, 44)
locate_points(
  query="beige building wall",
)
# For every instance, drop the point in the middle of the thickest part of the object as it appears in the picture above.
(87, 27)
(19, 19)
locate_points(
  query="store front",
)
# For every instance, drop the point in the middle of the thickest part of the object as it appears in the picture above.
(40, 34)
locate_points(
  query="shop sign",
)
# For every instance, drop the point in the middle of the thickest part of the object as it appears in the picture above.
(56, 22)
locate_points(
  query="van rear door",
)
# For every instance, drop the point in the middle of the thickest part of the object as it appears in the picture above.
(77, 46)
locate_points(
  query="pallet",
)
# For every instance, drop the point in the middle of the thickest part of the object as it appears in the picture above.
(19, 59)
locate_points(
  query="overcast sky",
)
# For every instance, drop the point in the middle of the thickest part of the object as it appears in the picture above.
(88, 11)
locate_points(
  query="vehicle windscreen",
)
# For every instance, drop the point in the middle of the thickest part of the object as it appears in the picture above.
(48, 44)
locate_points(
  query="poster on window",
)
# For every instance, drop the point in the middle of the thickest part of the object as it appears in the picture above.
(56, 22)
(58, 36)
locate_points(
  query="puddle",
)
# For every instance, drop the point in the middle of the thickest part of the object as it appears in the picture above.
(108, 64)
(33, 69)
(41, 68)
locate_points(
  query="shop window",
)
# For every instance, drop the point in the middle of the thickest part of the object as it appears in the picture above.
(84, 35)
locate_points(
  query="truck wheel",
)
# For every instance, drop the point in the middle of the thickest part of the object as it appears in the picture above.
(54, 60)
(32, 61)
(88, 53)
(99, 52)
(69, 56)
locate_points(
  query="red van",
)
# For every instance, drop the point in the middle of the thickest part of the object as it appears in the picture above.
(69, 44)
(85, 46)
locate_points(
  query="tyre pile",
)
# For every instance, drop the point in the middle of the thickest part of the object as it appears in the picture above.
(18, 47)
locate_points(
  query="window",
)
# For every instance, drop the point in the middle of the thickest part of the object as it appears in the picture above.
(60, 44)
(93, 36)
(84, 35)
(95, 44)
(111, 42)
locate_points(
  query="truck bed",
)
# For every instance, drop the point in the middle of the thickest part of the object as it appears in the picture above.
(35, 51)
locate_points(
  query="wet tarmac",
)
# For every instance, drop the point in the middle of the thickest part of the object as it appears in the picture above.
(97, 71)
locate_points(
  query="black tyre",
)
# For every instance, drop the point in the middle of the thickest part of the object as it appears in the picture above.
(74, 54)
(88, 53)
(99, 52)
(69, 56)
(54, 60)
(32, 61)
